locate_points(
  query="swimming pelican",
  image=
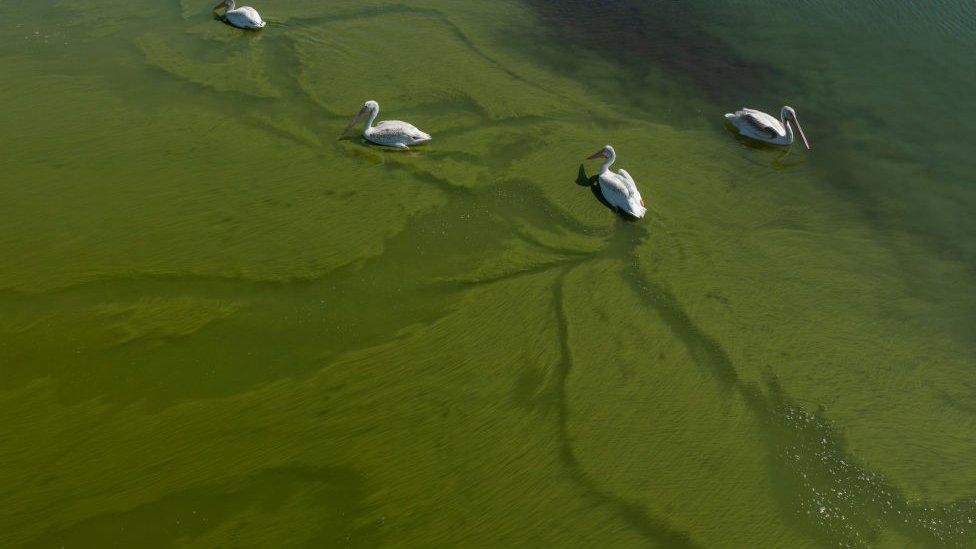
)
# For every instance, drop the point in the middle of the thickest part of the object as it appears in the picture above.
(619, 188)
(390, 133)
(244, 17)
(759, 125)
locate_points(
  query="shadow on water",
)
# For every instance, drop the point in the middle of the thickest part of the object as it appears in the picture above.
(414, 150)
(586, 181)
(654, 529)
(780, 153)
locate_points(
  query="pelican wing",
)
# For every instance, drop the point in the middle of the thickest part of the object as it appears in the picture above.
(613, 189)
(398, 128)
(245, 17)
(621, 192)
(629, 183)
(762, 123)
(633, 193)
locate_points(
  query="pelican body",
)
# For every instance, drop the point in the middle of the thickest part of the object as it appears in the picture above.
(244, 17)
(618, 188)
(763, 127)
(389, 133)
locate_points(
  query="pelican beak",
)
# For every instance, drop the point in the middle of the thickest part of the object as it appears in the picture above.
(218, 6)
(353, 121)
(598, 154)
(799, 130)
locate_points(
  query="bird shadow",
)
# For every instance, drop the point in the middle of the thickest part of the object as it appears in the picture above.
(377, 154)
(592, 181)
(757, 145)
(750, 142)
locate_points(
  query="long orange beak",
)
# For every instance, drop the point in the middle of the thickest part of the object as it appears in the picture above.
(597, 154)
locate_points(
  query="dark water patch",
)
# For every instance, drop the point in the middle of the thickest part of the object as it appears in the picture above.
(638, 35)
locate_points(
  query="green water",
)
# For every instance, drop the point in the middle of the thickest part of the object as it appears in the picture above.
(221, 326)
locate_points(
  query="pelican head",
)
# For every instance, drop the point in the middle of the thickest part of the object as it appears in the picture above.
(368, 107)
(788, 113)
(605, 152)
(226, 4)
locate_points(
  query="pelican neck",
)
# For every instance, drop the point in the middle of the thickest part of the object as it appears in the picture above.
(608, 162)
(373, 113)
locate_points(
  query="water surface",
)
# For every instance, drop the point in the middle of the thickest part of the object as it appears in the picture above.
(222, 325)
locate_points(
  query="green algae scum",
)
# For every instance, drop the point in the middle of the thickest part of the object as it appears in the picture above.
(222, 325)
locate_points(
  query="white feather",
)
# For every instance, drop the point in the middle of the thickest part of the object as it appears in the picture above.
(244, 17)
(620, 190)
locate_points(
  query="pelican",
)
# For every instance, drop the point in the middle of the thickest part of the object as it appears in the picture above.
(618, 188)
(759, 125)
(244, 17)
(389, 133)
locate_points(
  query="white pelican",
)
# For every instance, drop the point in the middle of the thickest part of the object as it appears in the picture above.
(619, 188)
(244, 17)
(759, 125)
(390, 133)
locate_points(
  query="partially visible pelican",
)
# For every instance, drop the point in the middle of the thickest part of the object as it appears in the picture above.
(759, 125)
(244, 17)
(389, 133)
(619, 188)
